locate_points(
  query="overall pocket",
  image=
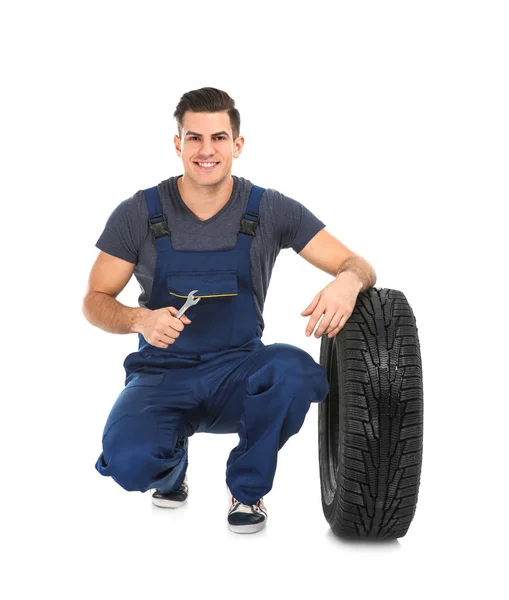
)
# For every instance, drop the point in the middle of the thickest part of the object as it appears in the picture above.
(212, 317)
(144, 379)
(210, 284)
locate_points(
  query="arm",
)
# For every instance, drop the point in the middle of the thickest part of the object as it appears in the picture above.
(108, 277)
(327, 253)
(337, 300)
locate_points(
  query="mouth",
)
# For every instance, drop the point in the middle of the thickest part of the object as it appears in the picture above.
(206, 166)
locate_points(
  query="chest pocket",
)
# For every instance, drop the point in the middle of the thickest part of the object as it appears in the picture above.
(210, 284)
(213, 316)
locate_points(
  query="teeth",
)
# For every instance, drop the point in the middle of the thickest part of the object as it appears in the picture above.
(207, 164)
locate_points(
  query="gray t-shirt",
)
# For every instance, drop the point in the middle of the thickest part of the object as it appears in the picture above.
(284, 223)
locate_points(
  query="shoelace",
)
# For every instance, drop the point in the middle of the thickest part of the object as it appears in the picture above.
(236, 503)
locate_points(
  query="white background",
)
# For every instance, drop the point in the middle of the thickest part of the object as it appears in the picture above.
(389, 121)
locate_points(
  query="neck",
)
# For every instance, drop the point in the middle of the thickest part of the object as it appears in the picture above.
(205, 198)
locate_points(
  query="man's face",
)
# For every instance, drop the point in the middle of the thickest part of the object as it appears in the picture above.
(207, 138)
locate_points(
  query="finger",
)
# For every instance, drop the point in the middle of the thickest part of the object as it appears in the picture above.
(312, 306)
(183, 318)
(337, 329)
(334, 322)
(317, 313)
(161, 343)
(170, 335)
(325, 323)
(177, 324)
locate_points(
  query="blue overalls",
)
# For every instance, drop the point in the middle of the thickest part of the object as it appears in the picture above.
(217, 377)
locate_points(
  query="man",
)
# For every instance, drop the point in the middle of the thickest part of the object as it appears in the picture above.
(212, 237)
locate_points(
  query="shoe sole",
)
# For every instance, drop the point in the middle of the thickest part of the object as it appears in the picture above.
(247, 528)
(168, 503)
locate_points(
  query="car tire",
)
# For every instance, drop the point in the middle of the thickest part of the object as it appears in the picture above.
(370, 425)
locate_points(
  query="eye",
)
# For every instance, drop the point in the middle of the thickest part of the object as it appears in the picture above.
(219, 137)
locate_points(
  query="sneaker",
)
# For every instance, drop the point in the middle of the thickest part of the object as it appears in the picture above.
(246, 518)
(172, 499)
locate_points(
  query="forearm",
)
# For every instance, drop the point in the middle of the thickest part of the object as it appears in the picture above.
(107, 313)
(360, 270)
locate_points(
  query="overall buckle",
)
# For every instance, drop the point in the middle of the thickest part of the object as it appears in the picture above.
(247, 226)
(160, 228)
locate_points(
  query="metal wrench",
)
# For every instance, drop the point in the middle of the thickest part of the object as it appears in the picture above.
(191, 300)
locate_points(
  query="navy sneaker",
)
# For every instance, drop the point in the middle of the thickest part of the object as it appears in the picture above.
(172, 499)
(246, 518)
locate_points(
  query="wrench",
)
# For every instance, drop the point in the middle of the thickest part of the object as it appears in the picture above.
(191, 300)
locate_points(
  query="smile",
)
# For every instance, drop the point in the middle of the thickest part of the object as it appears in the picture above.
(206, 166)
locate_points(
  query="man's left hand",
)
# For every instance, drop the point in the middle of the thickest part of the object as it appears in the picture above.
(335, 302)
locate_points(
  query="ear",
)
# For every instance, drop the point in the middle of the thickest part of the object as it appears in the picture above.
(178, 148)
(239, 144)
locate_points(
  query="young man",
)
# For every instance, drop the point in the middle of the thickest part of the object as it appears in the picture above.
(212, 238)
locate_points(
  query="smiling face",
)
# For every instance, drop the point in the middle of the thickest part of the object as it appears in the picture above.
(207, 147)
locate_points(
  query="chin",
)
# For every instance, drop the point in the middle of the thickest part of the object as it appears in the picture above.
(208, 178)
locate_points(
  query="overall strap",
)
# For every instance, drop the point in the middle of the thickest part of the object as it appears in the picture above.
(159, 225)
(250, 219)
(156, 220)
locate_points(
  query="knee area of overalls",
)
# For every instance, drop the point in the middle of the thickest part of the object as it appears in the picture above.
(295, 367)
(312, 376)
(134, 467)
(141, 436)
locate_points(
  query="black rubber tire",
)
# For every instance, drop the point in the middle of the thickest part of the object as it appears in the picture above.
(370, 426)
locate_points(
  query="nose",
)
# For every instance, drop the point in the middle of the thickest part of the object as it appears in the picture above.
(206, 149)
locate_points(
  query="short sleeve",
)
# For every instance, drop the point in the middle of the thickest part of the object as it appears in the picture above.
(123, 233)
(293, 222)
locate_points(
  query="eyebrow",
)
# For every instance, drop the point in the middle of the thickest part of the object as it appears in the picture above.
(213, 135)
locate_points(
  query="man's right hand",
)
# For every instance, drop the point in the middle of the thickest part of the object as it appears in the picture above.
(161, 327)
(108, 277)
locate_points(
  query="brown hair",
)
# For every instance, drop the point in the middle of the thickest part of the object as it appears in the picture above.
(208, 99)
